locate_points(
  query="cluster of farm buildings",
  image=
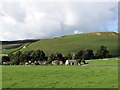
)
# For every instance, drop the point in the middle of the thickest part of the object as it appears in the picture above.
(55, 62)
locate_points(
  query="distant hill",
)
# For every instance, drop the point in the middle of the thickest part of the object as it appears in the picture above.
(13, 46)
(19, 41)
(74, 43)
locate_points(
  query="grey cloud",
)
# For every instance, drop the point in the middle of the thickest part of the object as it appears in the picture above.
(14, 10)
(48, 20)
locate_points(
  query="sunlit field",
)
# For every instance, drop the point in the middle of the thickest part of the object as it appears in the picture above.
(62, 76)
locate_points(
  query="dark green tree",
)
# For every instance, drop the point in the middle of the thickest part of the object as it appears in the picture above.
(87, 54)
(102, 52)
(26, 55)
(59, 56)
(11, 56)
(51, 58)
(68, 56)
(16, 61)
(5, 59)
(83, 55)
(38, 55)
(14, 58)
(78, 55)
(18, 53)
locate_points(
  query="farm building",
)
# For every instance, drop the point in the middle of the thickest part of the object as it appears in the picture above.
(56, 62)
(24, 46)
(40, 62)
(71, 62)
(6, 63)
(36, 63)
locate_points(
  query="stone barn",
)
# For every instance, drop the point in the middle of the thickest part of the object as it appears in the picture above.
(56, 62)
(71, 62)
(6, 63)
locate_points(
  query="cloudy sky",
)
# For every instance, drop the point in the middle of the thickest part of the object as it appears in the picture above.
(37, 20)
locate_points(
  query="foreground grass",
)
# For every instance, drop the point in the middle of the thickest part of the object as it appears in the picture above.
(62, 76)
(102, 62)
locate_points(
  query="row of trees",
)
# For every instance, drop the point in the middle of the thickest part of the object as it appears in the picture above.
(87, 54)
(39, 55)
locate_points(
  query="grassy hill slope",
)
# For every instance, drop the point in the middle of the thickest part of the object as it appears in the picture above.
(74, 43)
(7, 47)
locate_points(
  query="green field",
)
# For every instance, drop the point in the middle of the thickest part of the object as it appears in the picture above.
(74, 43)
(62, 76)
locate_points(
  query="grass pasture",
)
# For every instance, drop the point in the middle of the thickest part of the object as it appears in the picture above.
(62, 76)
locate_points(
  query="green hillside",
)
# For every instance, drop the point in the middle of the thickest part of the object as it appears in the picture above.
(74, 43)
(12, 46)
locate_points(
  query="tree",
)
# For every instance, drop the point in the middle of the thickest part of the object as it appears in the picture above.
(51, 58)
(68, 56)
(87, 54)
(83, 55)
(11, 56)
(14, 58)
(102, 52)
(59, 56)
(5, 59)
(78, 55)
(38, 55)
(26, 56)
(20, 57)
(18, 53)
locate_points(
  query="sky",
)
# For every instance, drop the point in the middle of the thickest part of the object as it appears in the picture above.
(39, 20)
